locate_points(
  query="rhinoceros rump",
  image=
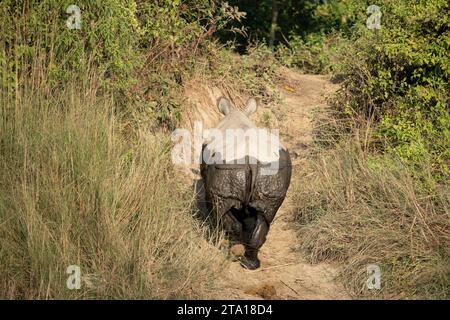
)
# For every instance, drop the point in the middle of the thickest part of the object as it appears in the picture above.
(244, 195)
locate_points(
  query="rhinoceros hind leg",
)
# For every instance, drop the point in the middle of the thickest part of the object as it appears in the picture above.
(232, 226)
(256, 230)
(250, 259)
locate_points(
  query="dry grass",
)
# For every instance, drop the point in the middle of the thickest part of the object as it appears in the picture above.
(75, 191)
(358, 209)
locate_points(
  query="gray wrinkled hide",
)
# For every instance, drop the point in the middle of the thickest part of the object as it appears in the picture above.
(238, 193)
(230, 186)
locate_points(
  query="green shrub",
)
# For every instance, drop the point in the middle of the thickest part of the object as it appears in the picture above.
(35, 35)
(138, 50)
(399, 76)
(318, 53)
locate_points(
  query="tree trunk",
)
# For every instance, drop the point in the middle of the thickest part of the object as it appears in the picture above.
(273, 26)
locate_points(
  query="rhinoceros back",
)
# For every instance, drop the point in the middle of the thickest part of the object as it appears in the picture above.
(248, 185)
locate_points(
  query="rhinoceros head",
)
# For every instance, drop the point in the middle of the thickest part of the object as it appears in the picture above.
(236, 137)
(235, 118)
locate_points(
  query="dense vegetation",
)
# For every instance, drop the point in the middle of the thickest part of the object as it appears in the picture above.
(83, 141)
(383, 197)
(85, 114)
(397, 75)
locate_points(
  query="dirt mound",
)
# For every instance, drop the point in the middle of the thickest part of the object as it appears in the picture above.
(201, 105)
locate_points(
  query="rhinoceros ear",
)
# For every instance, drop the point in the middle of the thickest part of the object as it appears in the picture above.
(224, 105)
(250, 107)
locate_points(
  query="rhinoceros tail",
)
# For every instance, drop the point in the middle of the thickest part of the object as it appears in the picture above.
(253, 171)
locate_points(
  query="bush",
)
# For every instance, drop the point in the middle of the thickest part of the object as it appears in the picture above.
(318, 53)
(399, 76)
(35, 35)
(140, 51)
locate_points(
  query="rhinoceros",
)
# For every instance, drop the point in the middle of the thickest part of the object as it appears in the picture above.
(244, 194)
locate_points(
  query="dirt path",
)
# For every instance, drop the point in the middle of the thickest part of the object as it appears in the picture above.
(284, 273)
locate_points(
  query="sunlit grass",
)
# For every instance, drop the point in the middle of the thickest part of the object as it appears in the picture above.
(75, 191)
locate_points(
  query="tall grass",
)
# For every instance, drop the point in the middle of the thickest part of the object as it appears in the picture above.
(75, 190)
(360, 209)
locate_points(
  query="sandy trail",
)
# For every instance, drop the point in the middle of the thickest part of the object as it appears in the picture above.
(284, 272)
